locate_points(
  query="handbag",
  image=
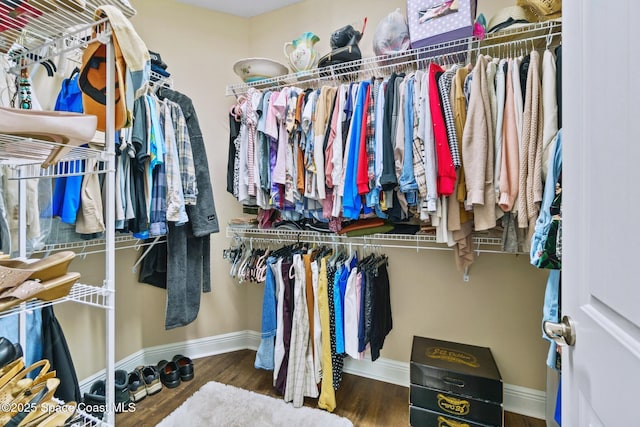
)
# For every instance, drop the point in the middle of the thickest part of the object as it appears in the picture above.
(544, 9)
(344, 47)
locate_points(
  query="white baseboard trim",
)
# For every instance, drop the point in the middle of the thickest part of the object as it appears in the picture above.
(517, 399)
(525, 401)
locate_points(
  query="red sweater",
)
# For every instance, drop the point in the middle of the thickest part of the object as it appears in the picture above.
(446, 170)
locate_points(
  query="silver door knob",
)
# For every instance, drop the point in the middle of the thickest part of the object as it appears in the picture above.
(563, 333)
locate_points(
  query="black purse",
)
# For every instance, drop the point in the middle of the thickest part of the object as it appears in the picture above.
(344, 48)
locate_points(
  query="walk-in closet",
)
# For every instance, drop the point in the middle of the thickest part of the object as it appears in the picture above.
(317, 212)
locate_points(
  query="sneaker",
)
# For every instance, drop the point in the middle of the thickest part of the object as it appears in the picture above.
(137, 390)
(151, 378)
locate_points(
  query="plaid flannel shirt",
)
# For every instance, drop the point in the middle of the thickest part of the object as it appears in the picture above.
(183, 142)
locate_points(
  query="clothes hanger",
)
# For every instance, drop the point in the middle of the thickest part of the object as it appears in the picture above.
(261, 267)
(236, 109)
(549, 38)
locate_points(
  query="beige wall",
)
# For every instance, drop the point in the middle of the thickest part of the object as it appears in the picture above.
(500, 307)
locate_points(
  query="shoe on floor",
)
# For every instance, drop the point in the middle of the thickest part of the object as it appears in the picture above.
(185, 366)
(151, 379)
(96, 398)
(169, 374)
(122, 389)
(137, 390)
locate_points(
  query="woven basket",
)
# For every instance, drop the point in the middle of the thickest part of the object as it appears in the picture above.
(545, 9)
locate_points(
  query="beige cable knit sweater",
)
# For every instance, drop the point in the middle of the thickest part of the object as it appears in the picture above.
(530, 182)
(477, 150)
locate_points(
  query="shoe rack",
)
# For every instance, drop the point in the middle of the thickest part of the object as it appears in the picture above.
(51, 28)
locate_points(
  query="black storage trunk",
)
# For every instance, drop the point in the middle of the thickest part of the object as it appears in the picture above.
(419, 417)
(456, 381)
(453, 405)
(462, 369)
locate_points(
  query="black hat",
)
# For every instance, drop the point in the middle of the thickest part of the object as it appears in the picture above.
(157, 60)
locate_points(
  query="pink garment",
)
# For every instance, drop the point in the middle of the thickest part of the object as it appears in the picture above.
(271, 127)
(510, 155)
(328, 152)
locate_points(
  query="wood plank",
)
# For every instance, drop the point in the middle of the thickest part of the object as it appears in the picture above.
(364, 401)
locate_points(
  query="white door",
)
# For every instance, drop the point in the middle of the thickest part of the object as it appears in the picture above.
(601, 218)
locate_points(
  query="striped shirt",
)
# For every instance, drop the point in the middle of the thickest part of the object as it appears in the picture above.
(444, 86)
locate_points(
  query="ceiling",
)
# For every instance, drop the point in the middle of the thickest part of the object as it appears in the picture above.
(245, 8)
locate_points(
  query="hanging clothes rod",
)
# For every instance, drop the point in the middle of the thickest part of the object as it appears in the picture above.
(395, 241)
(459, 50)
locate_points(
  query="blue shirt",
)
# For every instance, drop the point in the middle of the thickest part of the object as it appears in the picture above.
(66, 191)
(342, 273)
(351, 201)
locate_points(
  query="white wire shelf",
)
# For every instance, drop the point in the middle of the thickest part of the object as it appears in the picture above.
(81, 418)
(46, 20)
(95, 296)
(520, 39)
(484, 242)
(24, 157)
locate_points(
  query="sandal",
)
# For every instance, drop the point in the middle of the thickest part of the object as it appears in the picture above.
(55, 415)
(19, 383)
(11, 278)
(48, 268)
(39, 411)
(46, 291)
(10, 371)
(29, 405)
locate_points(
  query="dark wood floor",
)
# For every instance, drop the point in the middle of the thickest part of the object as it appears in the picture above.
(365, 402)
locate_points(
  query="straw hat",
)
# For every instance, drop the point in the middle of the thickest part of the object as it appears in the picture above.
(544, 9)
(509, 16)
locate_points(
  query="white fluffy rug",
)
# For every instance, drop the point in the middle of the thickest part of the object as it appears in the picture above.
(217, 404)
